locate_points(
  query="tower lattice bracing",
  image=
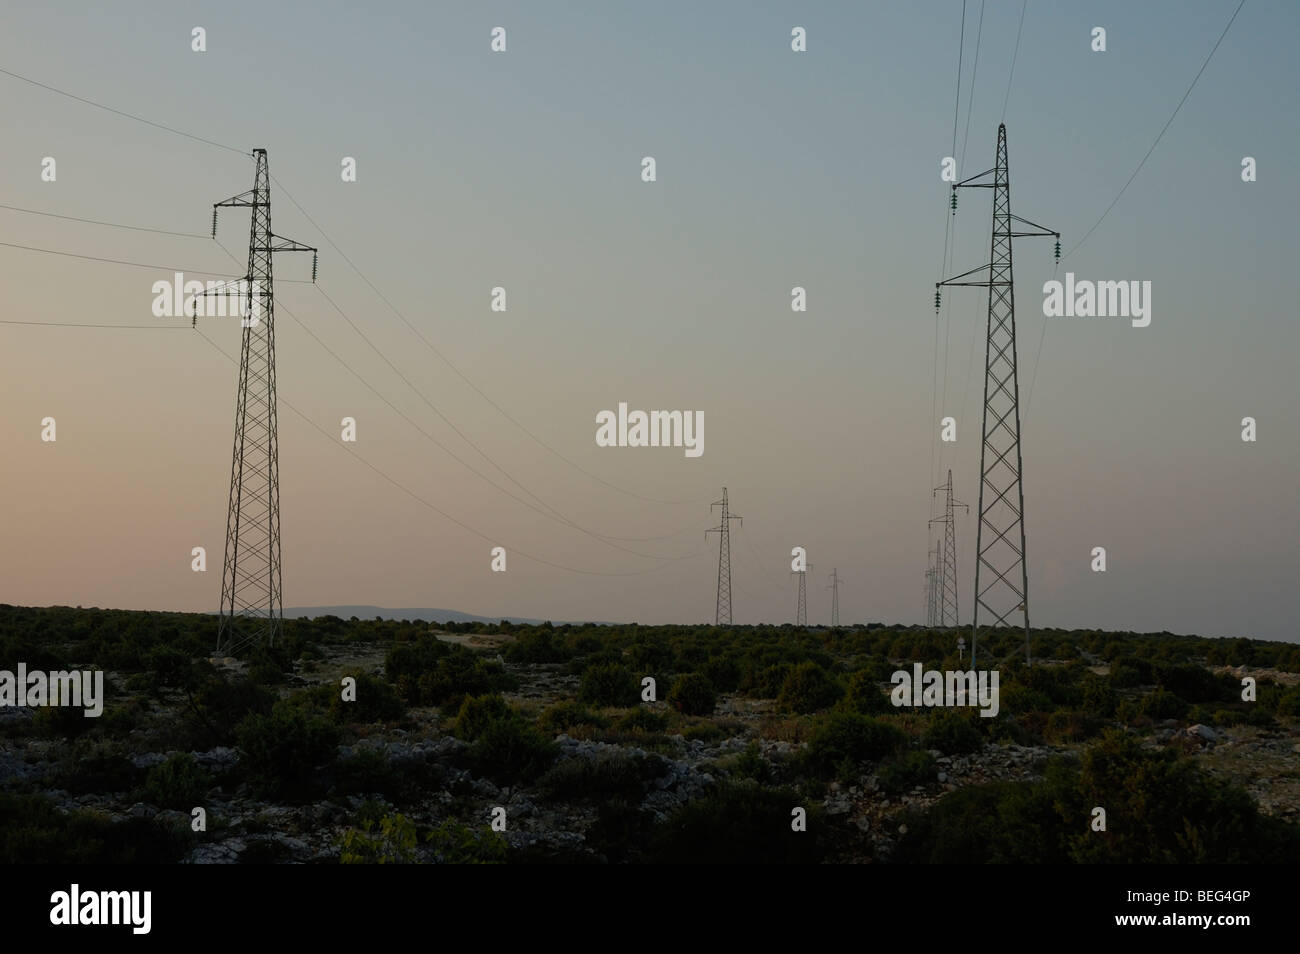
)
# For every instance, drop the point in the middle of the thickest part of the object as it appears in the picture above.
(1001, 573)
(946, 600)
(932, 589)
(801, 612)
(835, 597)
(251, 604)
(723, 614)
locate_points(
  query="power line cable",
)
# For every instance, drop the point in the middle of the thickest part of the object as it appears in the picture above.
(445, 360)
(1015, 53)
(119, 261)
(139, 119)
(116, 225)
(363, 277)
(553, 514)
(943, 269)
(414, 496)
(77, 324)
(1161, 134)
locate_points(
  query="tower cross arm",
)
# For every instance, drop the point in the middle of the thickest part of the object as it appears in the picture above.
(244, 200)
(1042, 230)
(281, 244)
(956, 279)
(970, 183)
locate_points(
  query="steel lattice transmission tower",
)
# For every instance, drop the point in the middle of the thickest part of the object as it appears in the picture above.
(931, 588)
(251, 606)
(835, 597)
(1001, 574)
(946, 584)
(724, 559)
(801, 613)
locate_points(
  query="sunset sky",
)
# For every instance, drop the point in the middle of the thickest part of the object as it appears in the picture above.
(775, 169)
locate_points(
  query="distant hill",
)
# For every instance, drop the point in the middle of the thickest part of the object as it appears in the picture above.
(370, 612)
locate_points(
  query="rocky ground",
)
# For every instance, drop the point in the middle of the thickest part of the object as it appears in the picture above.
(245, 828)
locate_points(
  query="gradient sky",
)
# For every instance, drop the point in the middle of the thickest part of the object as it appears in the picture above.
(775, 169)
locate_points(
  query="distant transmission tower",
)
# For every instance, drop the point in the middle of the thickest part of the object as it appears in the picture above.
(946, 601)
(251, 605)
(932, 588)
(1000, 536)
(801, 613)
(724, 559)
(835, 597)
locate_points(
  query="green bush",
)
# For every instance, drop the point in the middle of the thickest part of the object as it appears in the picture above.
(368, 771)
(142, 682)
(1172, 812)
(609, 684)
(844, 740)
(901, 773)
(431, 672)
(281, 752)
(864, 695)
(33, 829)
(1227, 717)
(1066, 726)
(739, 823)
(568, 714)
(392, 843)
(1099, 697)
(1127, 672)
(1017, 699)
(705, 732)
(766, 682)
(692, 694)
(1289, 703)
(457, 845)
(510, 751)
(477, 713)
(642, 719)
(1259, 718)
(62, 722)
(751, 764)
(215, 705)
(952, 733)
(649, 656)
(538, 646)
(723, 672)
(1163, 704)
(177, 783)
(612, 774)
(993, 823)
(1196, 683)
(808, 688)
(101, 768)
(373, 700)
(1161, 809)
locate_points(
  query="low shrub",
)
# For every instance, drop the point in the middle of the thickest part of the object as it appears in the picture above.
(567, 715)
(844, 740)
(808, 688)
(510, 751)
(179, 783)
(609, 684)
(282, 751)
(903, 772)
(477, 713)
(952, 733)
(692, 694)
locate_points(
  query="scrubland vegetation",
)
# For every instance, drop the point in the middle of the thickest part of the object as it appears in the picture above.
(550, 724)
